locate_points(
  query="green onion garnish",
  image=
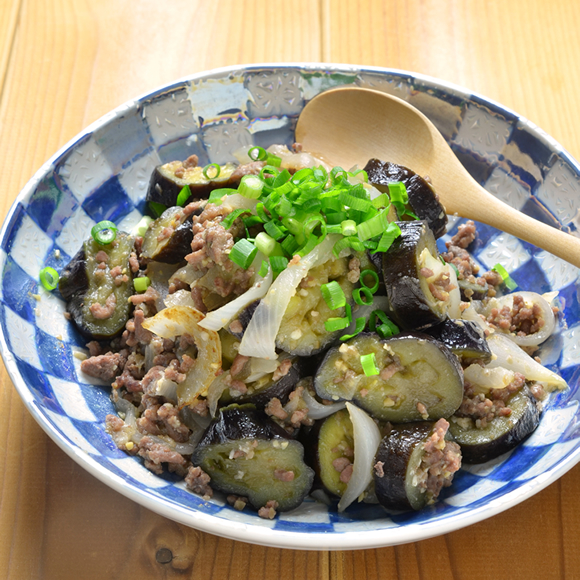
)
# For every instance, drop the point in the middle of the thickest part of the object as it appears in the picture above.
(141, 227)
(217, 195)
(364, 275)
(507, 279)
(274, 160)
(369, 364)
(213, 168)
(359, 327)
(275, 229)
(183, 196)
(49, 278)
(374, 226)
(265, 243)
(141, 284)
(392, 232)
(251, 186)
(278, 264)
(368, 296)
(348, 228)
(263, 268)
(104, 232)
(157, 208)
(257, 154)
(382, 201)
(243, 253)
(333, 324)
(230, 218)
(386, 328)
(333, 295)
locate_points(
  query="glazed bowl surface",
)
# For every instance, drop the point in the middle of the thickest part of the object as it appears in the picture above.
(103, 173)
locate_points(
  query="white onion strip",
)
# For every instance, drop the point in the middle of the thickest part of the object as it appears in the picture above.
(219, 318)
(367, 438)
(510, 356)
(260, 336)
(317, 410)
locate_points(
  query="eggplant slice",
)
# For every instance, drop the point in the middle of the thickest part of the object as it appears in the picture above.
(422, 290)
(464, 338)
(97, 291)
(169, 179)
(501, 434)
(245, 453)
(168, 238)
(413, 463)
(423, 201)
(419, 377)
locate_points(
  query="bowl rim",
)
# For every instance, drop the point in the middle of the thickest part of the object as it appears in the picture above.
(348, 540)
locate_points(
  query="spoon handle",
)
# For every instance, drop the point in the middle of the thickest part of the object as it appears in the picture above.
(498, 214)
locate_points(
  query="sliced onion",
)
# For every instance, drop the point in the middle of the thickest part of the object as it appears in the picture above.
(366, 442)
(179, 320)
(260, 336)
(470, 313)
(260, 367)
(179, 298)
(453, 308)
(216, 390)
(187, 274)
(510, 356)
(486, 378)
(219, 318)
(237, 201)
(317, 410)
(296, 161)
(530, 298)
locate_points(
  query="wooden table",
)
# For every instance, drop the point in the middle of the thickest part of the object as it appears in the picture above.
(65, 63)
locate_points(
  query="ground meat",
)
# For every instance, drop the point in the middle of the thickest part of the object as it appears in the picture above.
(197, 480)
(238, 365)
(102, 312)
(282, 369)
(440, 461)
(283, 475)
(519, 319)
(236, 326)
(155, 453)
(341, 463)
(353, 270)
(252, 168)
(441, 286)
(274, 409)
(105, 366)
(94, 348)
(149, 381)
(150, 296)
(268, 512)
(197, 297)
(379, 465)
(465, 235)
(390, 370)
(237, 501)
(482, 409)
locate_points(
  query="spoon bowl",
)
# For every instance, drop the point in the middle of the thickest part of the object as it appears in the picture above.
(351, 125)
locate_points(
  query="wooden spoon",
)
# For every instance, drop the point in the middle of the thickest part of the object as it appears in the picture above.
(351, 125)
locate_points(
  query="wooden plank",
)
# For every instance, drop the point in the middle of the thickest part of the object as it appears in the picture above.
(9, 10)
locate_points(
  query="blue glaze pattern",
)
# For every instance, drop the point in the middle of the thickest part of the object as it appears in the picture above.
(104, 173)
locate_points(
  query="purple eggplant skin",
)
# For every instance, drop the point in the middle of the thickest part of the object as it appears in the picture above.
(411, 307)
(464, 338)
(243, 317)
(501, 434)
(395, 452)
(280, 389)
(244, 452)
(423, 200)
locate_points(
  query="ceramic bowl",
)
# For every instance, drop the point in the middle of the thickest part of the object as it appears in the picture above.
(103, 173)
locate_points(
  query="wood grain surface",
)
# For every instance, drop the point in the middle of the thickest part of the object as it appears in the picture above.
(65, 63)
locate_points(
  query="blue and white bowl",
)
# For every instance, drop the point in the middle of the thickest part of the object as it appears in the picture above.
(103, 174)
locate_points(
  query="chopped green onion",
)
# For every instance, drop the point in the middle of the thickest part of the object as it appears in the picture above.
(274, 160)
(217, 195)
(365, 274)
(243, 253)
(261, 211)
(333, 295)
(157, 208)
(268, 171)
(252, 221)
(183, 196)
(353, 202)
(333, 324)
(381, 201)
(278, 264)
(289, 244)
(369, 364)
(263, 268)
(229, 219)
(337, 229)
(208, 168)
(374, 226)
(141, 284)
(386, 329)
(332, 203)
(356, 294)
(250, 187)
(265, 243)
(257, 154)
(281, 178)
(365, 175)
(507, 279)
(141, 227)
(350, 242)
(359, 327)
(348, 228)
(392, 232)
(275, 229)
(336, 218)
(104, 232)
(312, 242)
(49, 278)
